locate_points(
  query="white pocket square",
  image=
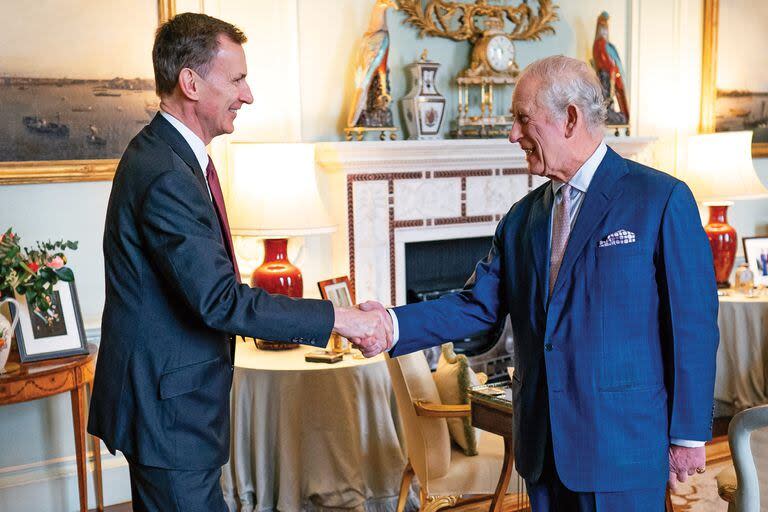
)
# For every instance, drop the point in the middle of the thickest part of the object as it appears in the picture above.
(619, 237)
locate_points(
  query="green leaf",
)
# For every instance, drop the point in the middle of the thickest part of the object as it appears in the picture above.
(65, 274)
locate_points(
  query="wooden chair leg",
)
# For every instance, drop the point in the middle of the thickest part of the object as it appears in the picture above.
(405, 487)
(668, 502)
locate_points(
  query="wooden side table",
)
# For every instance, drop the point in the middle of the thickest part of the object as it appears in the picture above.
(497, 418)
(41, 379)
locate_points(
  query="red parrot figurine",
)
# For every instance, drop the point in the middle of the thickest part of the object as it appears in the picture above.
(610, 72)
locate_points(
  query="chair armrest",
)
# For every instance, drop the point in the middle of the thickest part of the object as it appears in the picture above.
(739, 433)
(430, 410)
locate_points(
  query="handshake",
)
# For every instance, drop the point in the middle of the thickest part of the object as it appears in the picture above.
(368, 326)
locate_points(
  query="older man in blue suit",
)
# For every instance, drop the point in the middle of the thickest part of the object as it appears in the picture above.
(607, 276)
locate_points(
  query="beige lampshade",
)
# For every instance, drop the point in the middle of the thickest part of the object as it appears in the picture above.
(720, 168)
(274, 192)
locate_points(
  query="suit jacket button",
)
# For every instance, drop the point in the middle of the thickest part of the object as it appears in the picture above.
(548, 347)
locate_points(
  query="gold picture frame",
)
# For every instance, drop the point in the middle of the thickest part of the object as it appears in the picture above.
(709, 74)
(69, 171)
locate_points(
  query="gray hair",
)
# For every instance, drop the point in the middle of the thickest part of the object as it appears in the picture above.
(566, 81)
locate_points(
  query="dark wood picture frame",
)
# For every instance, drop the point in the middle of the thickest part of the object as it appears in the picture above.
(71, 322)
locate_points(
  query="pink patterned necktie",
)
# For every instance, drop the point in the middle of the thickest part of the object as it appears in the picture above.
(221, 212)
(561, 229)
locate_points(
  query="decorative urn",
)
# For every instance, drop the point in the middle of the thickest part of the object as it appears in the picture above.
(423, 107)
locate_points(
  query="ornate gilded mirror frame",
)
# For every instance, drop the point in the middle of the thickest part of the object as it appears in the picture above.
(69, 171)
(709, 75)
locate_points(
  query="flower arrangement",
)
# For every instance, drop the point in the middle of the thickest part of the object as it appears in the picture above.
(33, 272)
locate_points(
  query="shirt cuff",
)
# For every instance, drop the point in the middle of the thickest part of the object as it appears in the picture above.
(685, 443)
(395, 327)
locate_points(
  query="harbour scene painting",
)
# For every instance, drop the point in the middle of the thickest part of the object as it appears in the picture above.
(68, 119)
(75, 92)
(742, 83)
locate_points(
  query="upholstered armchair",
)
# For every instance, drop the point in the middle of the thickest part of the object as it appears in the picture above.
(444, 472)
(741, 484)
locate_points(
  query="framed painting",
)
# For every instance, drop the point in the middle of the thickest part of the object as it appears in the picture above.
(76, 84)
(60, 335)
(734, 90)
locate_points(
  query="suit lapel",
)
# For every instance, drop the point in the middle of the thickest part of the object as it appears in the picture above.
(173, 138)
(539, 226)
(594, 208)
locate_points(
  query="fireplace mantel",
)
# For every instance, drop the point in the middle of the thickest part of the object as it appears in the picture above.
(448, 154)
(398, 192)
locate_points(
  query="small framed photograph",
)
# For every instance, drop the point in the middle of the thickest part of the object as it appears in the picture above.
(61, 335)
(338, 291)
(756, 254)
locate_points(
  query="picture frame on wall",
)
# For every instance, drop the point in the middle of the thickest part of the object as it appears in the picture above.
(734, 86)
(62, 336)
(756, 254)
(76, 93)
(338, 291)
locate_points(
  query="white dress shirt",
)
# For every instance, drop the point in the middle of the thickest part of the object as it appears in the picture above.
(195, 143)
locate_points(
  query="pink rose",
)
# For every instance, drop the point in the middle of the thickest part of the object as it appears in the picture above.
(55, 263)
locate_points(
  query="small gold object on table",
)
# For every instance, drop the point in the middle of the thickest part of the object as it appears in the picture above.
(339, 344)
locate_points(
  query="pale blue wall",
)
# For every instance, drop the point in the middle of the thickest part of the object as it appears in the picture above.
(40, 431)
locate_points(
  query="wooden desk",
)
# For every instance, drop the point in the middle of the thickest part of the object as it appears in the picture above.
(41, 379)
(496, 418)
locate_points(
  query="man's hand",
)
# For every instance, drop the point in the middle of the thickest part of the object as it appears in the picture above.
(378, 308)
(684, 462)
(368, 330)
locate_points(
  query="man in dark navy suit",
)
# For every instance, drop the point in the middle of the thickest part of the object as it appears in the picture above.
(607, 276)
(173, 296)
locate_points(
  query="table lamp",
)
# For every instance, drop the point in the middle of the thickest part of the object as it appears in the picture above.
(719, 169)
(274, 196)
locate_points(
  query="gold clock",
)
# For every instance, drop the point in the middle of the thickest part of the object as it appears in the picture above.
(493, 53)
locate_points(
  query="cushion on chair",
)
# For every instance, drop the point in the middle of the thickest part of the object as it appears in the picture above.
(726, 484)
(427, 439)
(475, 475)
(454, 377)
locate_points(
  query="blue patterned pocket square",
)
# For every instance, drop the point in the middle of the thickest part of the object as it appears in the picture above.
(619, 237)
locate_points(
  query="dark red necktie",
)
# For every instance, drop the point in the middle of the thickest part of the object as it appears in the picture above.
(221, 212)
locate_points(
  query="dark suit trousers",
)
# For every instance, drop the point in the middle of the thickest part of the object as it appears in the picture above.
(168, 490)
(549, 494)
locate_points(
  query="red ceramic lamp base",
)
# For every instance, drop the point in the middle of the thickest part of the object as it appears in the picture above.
(722, 240)
(277, 275)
